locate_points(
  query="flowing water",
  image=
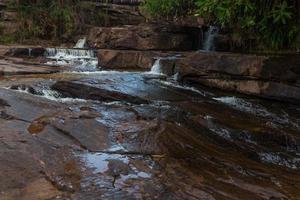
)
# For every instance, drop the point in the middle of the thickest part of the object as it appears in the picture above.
(209, 38)
(137, 135)
(81, 44)
(79, 59)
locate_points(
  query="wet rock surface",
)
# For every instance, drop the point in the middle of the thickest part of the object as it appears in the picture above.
(141, 135)
(268, 76)
(175, 144)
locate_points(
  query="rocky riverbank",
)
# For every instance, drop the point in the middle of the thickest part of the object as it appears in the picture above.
(114, 134)
(144, 114)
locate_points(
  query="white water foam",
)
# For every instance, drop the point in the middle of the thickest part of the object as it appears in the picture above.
(258, 110)
(276, 159)
(49, 94)
(243, 105)
(183, 87)
(156, 68)
(81, 44)
(79, 59)
(55, 96)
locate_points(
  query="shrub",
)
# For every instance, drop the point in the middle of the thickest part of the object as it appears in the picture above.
(273, 24)
(265, 24)
(46, 19)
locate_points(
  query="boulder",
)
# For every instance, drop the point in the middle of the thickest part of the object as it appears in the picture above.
(131, 59)
(121, 59)
(146, 37)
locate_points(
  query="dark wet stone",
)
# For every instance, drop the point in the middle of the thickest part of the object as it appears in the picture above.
(85, 91)
(25, 88)
(22, 52)
(184, 146)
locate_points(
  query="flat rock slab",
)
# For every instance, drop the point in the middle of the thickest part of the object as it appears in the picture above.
(128, 87)
(8, 68)
(179, 146)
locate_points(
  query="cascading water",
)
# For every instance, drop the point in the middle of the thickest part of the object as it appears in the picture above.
(81, 44)
(209, 38)
(79, 59)
(156, 68)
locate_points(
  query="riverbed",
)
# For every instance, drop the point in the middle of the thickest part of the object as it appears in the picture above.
(81, 132)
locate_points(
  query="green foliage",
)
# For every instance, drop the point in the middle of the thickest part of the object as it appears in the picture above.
(7, 39)
(265, 24)
(167, 8)
(273, 24)
(46, 19)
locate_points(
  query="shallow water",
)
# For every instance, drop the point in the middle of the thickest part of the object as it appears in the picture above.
(136, 135)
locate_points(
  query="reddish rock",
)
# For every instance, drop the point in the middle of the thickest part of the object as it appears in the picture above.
(145, 37)
(273, 68)
(131, 59)
(104, 14)
(119, 59)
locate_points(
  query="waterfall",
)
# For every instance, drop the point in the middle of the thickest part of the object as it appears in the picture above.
(209, 38)
(79, 59)
(156, 68)
(71, 53)
(81, 44)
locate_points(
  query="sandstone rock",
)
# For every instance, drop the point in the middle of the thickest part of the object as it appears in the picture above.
(131, 59)
(145, 37)
(273, 68)
(11, 68)
(104, 14)
(274, 77)
(120, 59)
(265, 89)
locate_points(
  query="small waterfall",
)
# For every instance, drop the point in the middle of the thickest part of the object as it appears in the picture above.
(81, 44)
(71, 53)
(156, 68)
(209, 38)
(29, 52)
(79, 59)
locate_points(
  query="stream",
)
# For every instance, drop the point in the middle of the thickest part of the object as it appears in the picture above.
(86, 133)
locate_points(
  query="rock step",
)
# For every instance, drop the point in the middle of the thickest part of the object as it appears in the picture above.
(148, 36)
(272, 77)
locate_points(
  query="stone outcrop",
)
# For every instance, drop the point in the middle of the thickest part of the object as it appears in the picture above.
(274, 77)
(274, 68)
(131, 59)
(107, 15)
(145, 37)
(118, 59)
